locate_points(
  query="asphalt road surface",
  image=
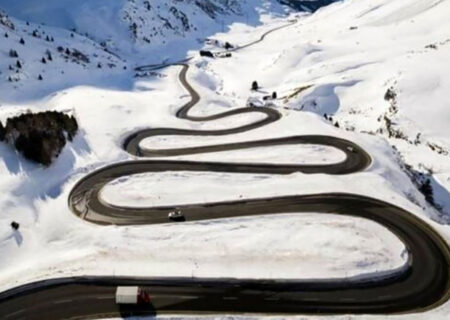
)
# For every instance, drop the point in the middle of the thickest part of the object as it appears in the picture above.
(423, 284)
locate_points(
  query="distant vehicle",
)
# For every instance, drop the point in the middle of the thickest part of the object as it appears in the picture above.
(204, 53)
(132, 295)
(351, 149)
(176, 215)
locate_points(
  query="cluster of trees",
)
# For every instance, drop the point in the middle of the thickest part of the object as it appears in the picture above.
(77, 54)
(39, 136)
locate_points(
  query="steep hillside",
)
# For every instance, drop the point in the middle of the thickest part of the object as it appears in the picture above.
(58, 44)
(142, 27)
(37, 60)
(376, 67)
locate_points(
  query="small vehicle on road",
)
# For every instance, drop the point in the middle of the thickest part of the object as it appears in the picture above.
(176, 215)
(132, 295)
(351, 149)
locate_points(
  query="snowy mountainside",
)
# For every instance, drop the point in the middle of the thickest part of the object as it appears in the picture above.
(104, 35)
(37, 60)
(344, 59)
(148, 28)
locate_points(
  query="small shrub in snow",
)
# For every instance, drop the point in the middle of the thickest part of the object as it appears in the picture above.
(49, 55)
(13, 53)
(390, 95)
(15, 226)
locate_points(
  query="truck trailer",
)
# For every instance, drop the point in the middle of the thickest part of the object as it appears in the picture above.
(132, 295)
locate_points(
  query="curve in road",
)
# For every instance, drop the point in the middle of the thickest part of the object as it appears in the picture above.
(422, 285)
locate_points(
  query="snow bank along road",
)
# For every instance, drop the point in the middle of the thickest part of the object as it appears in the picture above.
(422, 284)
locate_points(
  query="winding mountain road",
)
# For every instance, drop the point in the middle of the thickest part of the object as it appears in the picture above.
(423, 283)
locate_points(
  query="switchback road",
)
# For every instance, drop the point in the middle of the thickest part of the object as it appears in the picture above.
(421, 285)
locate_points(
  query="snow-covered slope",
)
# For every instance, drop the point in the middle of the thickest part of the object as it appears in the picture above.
(115, 35)
(147, 28)
(38, 60)
(341, 61)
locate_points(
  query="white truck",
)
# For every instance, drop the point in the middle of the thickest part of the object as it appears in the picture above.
(132, 295)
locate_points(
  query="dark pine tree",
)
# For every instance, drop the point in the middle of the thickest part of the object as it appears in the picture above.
(13, 53)
(427, 191)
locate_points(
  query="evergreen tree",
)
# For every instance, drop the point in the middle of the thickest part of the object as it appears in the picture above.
(427, 191)
(18, 64)
(40, 78)
(13, 53)
(255, 86)
(43, 60)
(22, 41)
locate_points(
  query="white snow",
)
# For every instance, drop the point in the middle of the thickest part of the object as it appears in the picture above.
(339, 61)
